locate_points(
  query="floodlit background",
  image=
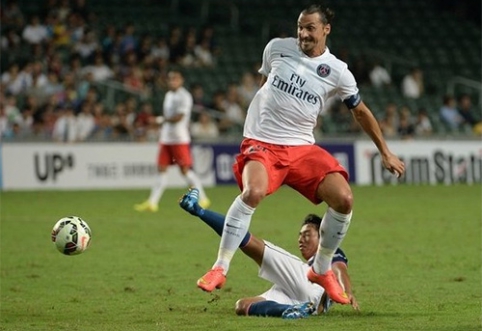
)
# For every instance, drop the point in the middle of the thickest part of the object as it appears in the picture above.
(108, 59)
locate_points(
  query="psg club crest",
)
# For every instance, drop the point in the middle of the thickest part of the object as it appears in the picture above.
(323, 70)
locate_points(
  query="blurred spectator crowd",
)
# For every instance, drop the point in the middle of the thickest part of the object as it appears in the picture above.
(49, 87)
(456, 116)
(56, 59)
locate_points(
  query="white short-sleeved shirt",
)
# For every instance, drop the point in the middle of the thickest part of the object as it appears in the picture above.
(177, 102)
(284, 111)
(288, 275)
(287, 272)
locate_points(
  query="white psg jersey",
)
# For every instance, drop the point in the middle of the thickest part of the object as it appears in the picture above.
(176, 102)
(285, 110)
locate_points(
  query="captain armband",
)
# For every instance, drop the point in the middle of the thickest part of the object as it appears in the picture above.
(352, 101)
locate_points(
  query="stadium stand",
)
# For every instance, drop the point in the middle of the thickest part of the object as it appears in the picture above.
(444, 44)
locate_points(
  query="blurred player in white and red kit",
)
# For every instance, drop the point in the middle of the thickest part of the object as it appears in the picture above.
(174, 142)
(299, 75)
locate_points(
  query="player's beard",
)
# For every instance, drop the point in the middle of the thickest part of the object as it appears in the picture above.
(306, 45)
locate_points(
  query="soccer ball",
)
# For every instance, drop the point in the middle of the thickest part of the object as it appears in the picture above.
(71, 235)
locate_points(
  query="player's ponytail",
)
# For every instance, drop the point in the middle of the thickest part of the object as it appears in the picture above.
(326, 14)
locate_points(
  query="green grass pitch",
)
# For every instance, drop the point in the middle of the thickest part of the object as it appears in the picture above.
(414, 251)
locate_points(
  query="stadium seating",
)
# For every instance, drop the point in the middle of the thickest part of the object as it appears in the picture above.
(404, 33)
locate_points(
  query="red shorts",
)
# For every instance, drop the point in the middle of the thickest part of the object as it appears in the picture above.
(174, 154)
(300, 167)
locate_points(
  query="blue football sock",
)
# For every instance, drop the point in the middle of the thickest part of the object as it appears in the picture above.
(267, 308)
(216, 222)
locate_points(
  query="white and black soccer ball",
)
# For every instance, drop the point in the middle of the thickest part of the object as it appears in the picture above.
(71, 235)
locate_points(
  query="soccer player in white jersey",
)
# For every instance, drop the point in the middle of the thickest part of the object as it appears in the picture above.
(174, 142)
(299, 75)
(292, 295)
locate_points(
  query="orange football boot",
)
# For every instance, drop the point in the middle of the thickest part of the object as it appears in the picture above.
(329, 282)
(214, 278)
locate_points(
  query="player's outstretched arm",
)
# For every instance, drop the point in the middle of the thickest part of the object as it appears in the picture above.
(341, 271)
(369, 124)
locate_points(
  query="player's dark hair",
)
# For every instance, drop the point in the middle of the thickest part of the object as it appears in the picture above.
(326, 14)
(314, 220)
